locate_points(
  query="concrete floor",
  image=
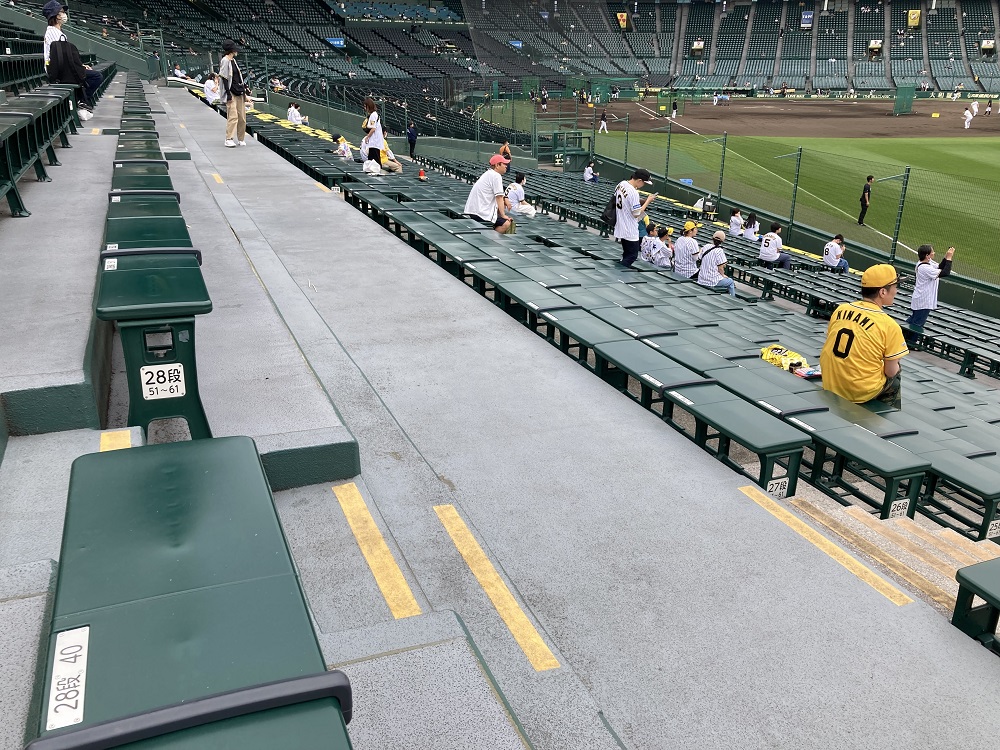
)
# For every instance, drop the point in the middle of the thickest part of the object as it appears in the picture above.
(680, 612)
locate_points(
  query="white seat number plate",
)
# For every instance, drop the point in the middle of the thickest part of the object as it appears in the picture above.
(69, 679)
(162, 381)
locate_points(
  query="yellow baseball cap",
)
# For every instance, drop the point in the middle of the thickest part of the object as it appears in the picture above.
(878, 276)
(689, 225)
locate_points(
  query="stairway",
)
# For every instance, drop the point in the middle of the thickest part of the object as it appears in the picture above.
(919, 554)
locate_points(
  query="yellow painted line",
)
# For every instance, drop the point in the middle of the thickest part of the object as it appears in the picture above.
(322, 187)
(116, 440)
(874, 580)
(506, 605)
(218, 178)
(95, 131)
(383, 565)
(181, 125)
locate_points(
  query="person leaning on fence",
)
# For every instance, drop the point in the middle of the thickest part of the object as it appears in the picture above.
(687, 252)
(860, 358)
(925, 290)
(770, 249)
(833, 255)
(712, 272)
(628, 212)
(486, 200)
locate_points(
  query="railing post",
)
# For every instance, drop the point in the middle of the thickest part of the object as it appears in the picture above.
(722, 167)
(625, 155)
(899, 215)
(795, 191)
(666, 162)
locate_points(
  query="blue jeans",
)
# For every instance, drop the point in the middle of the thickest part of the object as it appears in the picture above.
(727, 283)
(592, 179)
(91, 85)
(842, 266)
(918, 318)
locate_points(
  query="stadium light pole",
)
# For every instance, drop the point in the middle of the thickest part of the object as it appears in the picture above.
(905, 177)
(795, 187)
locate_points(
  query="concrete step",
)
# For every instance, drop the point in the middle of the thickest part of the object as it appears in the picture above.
(908, 562)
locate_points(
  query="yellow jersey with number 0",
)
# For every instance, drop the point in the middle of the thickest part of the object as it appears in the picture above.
(860, 337)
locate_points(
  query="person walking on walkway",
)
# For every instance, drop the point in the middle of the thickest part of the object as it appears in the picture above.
(866, 198)
(234, 92)
(860, 358)
(925, 290)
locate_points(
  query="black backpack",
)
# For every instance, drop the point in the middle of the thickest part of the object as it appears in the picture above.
(610, 213)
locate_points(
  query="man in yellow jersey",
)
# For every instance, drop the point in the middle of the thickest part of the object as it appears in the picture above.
(860, 359)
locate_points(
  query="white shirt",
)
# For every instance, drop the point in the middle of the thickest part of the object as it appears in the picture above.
(831, 253)
(967, 115)
(770, 246)
(375, 139)
(750, 232)
(588, 174)
(925, 290)
(52, 34)
(686, 250)
(211, 91)
(515, 194)
(653, 250)
(736, 225)
(712, 257)
(482, 200)
(294, 116)
(628, 211)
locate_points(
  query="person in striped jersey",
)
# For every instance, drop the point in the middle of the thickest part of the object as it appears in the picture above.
(925, 291)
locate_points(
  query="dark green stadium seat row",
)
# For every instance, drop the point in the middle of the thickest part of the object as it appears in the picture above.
(223, 589)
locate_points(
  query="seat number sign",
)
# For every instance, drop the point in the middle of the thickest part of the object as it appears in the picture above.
(162, 381)
(69, 679)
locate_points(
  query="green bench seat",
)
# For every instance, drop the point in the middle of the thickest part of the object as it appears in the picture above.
(141, 174)
(173, 570)
(979, 622)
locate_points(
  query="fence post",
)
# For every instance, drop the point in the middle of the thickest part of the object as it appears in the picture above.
(899, 215)
(795, 191)
(625, 156)
(666, 163)
(477, 139)
(593, 131)
(722, 166)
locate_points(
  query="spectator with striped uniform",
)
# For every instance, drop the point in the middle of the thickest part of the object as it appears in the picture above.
(925, 291)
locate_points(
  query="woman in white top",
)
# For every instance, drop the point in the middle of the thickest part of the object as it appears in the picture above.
(589, 175)
(54, 32)
(295, 115)
(736, 223)
(373, 128)
(751, 227)
(211, 87)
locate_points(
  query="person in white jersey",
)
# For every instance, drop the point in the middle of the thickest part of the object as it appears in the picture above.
(770, 249)
(687, 252)
(833, 255)
(629, 211)
(925, 290)
(515, 194)
(589, 175)
(656, 246)
(967, 115)
(736, 223)
(486, 199)
(713, 265)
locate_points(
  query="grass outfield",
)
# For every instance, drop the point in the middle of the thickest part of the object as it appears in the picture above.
(953, 197)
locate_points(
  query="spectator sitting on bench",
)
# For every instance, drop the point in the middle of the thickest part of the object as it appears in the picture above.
(62, 58)
(833, 255)
(295, 116)
(657, 247)
(713, 265)
(751, 227)
(589, 175)
(178, 73)
(211, 87)
(860, 359)
(515, 194)
(736, 223)
(389, 161)
(770, 249)
(687, 252)
(486, 200)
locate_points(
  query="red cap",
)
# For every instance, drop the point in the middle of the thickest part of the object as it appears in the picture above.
(497, 159)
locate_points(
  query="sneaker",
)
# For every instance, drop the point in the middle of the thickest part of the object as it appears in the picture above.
(230, 143)
(84, 114)
(243, 143)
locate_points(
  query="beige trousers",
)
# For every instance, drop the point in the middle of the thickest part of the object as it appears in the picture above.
(236, 118)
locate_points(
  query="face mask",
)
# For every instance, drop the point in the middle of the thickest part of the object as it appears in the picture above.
(63, 18)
